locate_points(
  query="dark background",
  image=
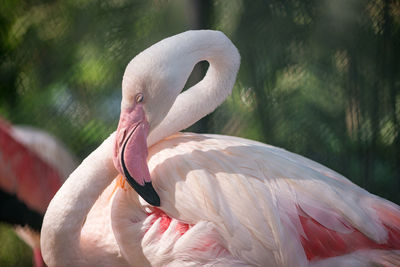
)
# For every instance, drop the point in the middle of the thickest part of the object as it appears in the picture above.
(318, 77)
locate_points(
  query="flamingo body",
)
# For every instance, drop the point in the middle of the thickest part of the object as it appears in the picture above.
(221, 200)
(261, 202)
(33, 166)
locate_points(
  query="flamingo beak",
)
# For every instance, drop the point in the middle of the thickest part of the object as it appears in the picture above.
(130, 153)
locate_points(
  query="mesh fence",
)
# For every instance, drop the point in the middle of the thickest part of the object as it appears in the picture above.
(320, 78)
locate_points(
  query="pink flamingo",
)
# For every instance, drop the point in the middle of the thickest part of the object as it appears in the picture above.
(33, 165)
(222, 201)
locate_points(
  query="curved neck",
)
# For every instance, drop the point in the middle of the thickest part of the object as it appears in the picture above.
(67, 211)
(202, 98)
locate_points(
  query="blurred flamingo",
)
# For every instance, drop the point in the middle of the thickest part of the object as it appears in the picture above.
(33, 166)
(222, 201)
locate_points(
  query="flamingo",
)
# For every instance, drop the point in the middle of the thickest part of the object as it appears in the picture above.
(33, 165)
(152, 196)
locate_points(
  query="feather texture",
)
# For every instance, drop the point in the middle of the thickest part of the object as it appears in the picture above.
(259, 203)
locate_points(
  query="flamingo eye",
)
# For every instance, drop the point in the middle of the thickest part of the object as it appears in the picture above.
(139, 98)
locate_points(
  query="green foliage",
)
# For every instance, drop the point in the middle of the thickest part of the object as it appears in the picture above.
(13, 251)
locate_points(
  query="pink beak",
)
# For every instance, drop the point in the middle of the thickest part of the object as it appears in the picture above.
(130, 153)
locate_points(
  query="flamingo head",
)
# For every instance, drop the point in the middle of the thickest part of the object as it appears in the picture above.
(150, 86)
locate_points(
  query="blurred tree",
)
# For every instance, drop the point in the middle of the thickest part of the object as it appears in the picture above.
(200, 16)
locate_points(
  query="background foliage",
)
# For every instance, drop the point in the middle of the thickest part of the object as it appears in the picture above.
(318, 77)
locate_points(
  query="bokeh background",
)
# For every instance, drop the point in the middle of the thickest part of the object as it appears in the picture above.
(318, 77)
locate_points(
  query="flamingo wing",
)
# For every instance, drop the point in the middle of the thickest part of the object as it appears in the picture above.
(267, 204)
(24, 172)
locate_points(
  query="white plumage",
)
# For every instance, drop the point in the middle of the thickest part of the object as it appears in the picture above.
(225, 201)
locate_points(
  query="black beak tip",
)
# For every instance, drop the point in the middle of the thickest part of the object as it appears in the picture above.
(146, 191)
(150, 195)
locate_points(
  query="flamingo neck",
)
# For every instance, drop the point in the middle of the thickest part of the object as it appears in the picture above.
(67, 211)
(204, 97)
